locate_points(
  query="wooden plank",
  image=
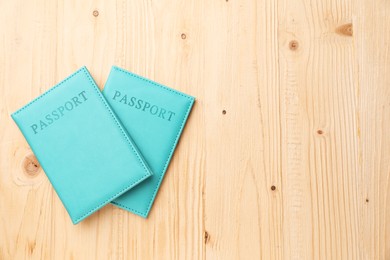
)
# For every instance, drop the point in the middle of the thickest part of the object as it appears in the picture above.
(372, 49)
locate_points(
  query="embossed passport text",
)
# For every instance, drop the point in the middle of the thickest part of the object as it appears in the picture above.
(154, 116)
(81, 145)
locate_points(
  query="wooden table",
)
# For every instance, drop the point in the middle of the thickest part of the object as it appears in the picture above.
(286, 154)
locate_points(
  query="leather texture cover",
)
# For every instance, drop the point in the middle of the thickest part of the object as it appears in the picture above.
(82, 147)
(154, 116)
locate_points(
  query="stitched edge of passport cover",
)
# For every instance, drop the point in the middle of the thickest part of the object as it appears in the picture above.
(126, 137)
(178, 135)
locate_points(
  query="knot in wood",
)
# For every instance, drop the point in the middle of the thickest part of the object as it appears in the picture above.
(31, 166)
(346, 29)
(293, 45)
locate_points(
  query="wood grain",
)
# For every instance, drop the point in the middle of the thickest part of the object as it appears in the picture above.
(286, 154)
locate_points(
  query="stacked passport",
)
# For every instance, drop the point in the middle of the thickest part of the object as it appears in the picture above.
(105, 147)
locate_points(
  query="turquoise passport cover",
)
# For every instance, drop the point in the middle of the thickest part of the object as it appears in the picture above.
(154, 116)
(85, 152)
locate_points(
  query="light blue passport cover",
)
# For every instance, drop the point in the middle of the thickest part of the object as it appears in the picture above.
(154, 116)
(82, 147)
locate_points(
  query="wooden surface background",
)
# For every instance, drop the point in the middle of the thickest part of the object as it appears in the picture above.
(296, 167)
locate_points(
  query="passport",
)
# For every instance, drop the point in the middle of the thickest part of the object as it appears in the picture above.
(81, 145)
(154, 116)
